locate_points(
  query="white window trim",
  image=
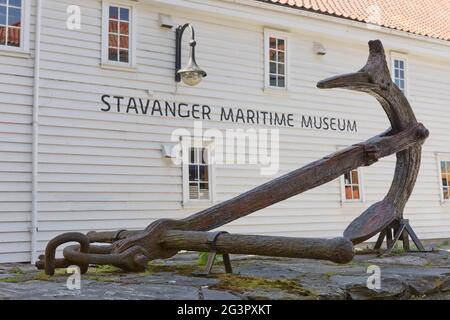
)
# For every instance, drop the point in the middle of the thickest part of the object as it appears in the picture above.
(24, 49)
(361, 189)
(116, 65)
(283, 35)
(442, 157)
(187, 142)
(404, 57)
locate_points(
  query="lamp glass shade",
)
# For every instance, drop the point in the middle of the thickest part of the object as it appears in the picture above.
(191, 77)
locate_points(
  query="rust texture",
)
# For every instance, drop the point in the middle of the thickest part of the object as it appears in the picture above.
(132, 250)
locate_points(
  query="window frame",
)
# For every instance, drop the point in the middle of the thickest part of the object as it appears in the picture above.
(268, 33)
(117, 65)
(442, 157)
(186, 143)
(362, 198)
(24, 47)
(402, 57)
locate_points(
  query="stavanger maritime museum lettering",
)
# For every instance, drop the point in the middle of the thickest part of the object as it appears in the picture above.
(204, 112)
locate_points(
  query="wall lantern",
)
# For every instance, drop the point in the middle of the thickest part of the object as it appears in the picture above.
(191, 75)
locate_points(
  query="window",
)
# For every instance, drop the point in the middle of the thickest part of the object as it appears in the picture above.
(118, 35)
(276, 60)
(197, 172)
(399, 63)
(445, 179)
(352, 188)
(14, 25)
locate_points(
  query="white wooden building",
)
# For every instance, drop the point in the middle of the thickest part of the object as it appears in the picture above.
(72, 160)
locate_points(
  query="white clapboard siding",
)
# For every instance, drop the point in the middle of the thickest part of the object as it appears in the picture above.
(104, 170)
(16, 89)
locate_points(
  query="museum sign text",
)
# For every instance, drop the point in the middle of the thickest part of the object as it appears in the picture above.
(162, 108)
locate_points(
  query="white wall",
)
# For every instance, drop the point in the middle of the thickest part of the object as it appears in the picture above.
(104, 171)
(16, 81)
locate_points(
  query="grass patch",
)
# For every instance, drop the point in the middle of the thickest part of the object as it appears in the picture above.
(242, 284)
(203, 258)
(17, 270)
(180, 269)
(107, 269)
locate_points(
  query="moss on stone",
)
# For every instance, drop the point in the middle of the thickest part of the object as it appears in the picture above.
(102, 279)
(238, 283)
(39, 276)
(13, 279)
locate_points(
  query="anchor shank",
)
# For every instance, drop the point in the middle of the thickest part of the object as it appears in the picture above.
(339, 250)
(306, 178)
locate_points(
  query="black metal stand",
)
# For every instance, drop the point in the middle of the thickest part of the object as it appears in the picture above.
(398, 230)
(213, 253)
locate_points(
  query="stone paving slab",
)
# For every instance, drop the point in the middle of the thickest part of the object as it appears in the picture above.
(405, 276)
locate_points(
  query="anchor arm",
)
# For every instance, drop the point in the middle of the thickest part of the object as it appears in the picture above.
(375, 79)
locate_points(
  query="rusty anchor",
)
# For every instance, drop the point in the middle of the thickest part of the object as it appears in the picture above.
(132, 250)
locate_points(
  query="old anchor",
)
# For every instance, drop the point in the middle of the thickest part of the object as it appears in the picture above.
(132, 250)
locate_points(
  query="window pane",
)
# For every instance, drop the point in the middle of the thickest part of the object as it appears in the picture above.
(273, 43)
(113, 26)
(204, 191)
(443, 167)
(273, 67)
(281, 68)
(396, 63)
(273, 81)
(113, 54)
(204, 156)
(447, 166)
(280, 56)
(124, 14)
(355, 179)
(281, 82)
(2, 35)
(114, 13)
(444, 180)
(124, 42)
(193, 191)
(347, 179)
(196, 155)
(113, 41)
(348, 193)
(273, 55)
(14, 37)
(281, 44)
(3, 15)
(193, 173)
(124, 28)
(3, 2)
(204, 173)
(356, 193)
(192, 155)
(446, 194)
(401, 64)
(124, 56)
(15, 3)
